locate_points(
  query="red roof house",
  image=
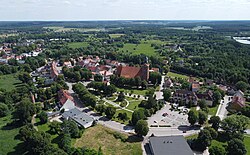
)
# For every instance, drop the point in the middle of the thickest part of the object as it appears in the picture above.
(132, 72)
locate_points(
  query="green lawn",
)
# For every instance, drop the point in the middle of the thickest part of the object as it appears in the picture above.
(45, 128)
(213, 110)
(247, 143)
(135, 91)
(142, 48)
(129, 114)
(78, 44)
(176, 75)
(105, 138)
(9, 144)
(9, 82)
(133, 105)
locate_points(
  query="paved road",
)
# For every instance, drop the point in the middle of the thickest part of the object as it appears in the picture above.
(159, 94)
(222, 111)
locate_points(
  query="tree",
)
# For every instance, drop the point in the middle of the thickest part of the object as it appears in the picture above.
(70, 127)
(167, 94)
(110, 112)
(216, 97)
(155, 78)
(241, 85)
(215, 121)
(213, 133)
(25, 77)
(43, 117)
(65, 142)
(202, 117)
(55, 127)
(246, 111)
(98, 77)
(192, 117)
(203, 140)
(236, 147)
(137, 115)
(234, 124)
(138, 81)
(217, 150)
(4, 110)
(100, 108)
(123, 116)
(109, 90)
(141, 128)
(24, 111)
(121, 97)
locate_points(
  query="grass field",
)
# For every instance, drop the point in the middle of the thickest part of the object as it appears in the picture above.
(104, 137)
(212, 111)
(9, 82)
(77, 44)
(9, 144)
(116, 35)
(247, 143)
(142, 48)
(134, 105)
(176, 75)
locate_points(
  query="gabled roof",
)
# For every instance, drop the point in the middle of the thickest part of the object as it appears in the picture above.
(64, 95)
(132, 72)
(169, 145)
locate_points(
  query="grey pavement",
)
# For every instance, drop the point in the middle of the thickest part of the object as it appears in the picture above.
(222, 111)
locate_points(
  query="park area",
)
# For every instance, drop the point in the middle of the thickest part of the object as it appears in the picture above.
(110, 141)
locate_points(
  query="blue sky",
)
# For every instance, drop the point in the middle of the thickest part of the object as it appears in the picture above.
(124, 10)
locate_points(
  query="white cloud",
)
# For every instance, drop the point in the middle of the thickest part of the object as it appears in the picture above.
(123, 9)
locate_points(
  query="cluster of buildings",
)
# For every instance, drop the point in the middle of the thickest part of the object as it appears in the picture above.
(193, 94)
(7, 52)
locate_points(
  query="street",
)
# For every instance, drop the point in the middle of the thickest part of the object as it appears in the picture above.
(222, 111)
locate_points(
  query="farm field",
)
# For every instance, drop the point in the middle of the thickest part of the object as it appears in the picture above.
(63, 29)
(116, 35)
(108, 140)
(77, 44)
(143, 48)
(9, 82)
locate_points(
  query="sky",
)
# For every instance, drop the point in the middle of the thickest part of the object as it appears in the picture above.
(78, 10)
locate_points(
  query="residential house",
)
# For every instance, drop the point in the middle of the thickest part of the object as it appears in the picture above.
(185, 96)
(207, 97)
(195, 87)
(81, 118)
(238, 101)
(169, 145)
(132, 72)
(66, 100)
(168, 83)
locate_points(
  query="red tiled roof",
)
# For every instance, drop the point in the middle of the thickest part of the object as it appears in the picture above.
(64, 96)
(132, 72)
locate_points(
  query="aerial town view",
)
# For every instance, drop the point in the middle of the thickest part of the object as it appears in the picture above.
(116, 77)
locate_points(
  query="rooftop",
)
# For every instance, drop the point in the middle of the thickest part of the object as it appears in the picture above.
(78, 116)
(169, 145)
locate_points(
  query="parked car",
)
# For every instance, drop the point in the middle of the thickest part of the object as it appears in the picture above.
(165, 114)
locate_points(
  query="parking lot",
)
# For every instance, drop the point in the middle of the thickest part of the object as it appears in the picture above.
(166, 117)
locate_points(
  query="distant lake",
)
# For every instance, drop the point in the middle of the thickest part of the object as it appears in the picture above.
(243, 40)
